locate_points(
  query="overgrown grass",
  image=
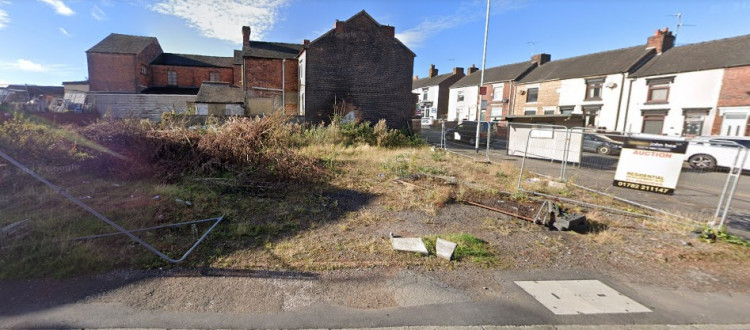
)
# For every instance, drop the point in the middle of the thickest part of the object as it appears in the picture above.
(468, 247)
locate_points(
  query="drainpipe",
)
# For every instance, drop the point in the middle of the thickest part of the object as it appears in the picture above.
(627, 105)
(619, 101)
(283, 83)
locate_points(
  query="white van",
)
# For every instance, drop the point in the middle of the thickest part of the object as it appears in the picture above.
(708, 152)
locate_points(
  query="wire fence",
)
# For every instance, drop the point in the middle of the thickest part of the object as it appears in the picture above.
(589, 160)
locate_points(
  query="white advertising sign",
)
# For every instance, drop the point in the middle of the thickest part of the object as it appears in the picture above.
(652, 165)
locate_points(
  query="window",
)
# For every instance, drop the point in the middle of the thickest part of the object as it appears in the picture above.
(213, 76)
(532, 94)
(171, 78)
(460, 96)
(549, 112)
(566, 109)
(144, 70)
(589, 114)
(497, 93)
(653, 121)
(529, 111)
(594, 89)
(424, 94)
(658, 90)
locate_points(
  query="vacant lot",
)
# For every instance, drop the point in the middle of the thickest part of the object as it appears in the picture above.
(315, 199)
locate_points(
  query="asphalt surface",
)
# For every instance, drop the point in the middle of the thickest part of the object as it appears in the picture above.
(697, 195)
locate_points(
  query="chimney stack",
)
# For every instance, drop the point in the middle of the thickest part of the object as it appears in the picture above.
(662, 40)
(541, 58)
(458, 70)
(433, 72)
(472, 69)
(390, 31)
(306, 43)
(246, 36)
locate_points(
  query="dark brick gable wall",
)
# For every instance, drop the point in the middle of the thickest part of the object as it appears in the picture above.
(361, 62)
(735, 91)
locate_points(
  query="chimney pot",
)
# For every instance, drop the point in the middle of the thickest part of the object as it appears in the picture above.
(472, 69)
(433, 72)
(541, 58)
(662, 40)
(416, 77)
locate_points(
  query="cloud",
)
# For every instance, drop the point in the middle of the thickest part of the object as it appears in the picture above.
(467, 12)
(4, 19)
(64, 32)
(23, 65)
(223, 19)
(98, 14)
(60, 7)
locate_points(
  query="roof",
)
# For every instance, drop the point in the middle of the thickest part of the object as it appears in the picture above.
(35, 90)
(495, 74)
(215, 92)
(716, 54)
(434, 81)
(193, 60)
(602, 63)
(122, 44)
(278, 50)
(366, 15)
(82, 82)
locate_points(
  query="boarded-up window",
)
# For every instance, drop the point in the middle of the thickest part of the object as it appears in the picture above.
(171, 78)
(214, 76)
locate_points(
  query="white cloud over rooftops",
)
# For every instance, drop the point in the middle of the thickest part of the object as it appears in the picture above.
(223, 19)
(60, 7)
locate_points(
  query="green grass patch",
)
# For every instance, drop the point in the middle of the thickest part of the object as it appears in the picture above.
(468, 247)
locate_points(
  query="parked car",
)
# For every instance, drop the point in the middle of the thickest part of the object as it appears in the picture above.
(601, 144)
(466, 132)
(710, 152)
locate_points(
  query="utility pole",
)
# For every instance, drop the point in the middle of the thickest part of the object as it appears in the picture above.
(481, 80)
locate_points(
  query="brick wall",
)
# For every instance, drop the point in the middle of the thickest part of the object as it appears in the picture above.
(492, 103)
(111, 72)
(265, 73)
(145, 58)
(362, 63)
(735, 91)
(188, 76)
(548, 96)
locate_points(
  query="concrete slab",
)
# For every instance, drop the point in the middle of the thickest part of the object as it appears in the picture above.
(409, 244)
(580, 297)
(444, 249)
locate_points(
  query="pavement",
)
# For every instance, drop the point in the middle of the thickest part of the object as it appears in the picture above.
(424, 303)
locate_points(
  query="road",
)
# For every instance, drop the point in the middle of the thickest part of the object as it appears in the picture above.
(696, 196)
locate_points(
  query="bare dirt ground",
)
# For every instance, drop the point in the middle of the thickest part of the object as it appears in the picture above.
(350, 263)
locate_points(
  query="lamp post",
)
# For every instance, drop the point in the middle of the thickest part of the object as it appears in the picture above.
(481, 80)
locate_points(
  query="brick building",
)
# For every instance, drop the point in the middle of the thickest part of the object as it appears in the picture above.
(269, 75)
(360, 63)
(134, 64)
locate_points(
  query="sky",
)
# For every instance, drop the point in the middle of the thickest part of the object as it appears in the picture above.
(43, 42)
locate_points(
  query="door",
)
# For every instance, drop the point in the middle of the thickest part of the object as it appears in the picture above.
(734, 124)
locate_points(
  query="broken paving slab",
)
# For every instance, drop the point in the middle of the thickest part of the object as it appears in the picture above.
(409, 244)
(444, 249)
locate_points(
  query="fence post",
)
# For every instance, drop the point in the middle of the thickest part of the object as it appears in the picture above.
(442, 134)
(734, 177)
